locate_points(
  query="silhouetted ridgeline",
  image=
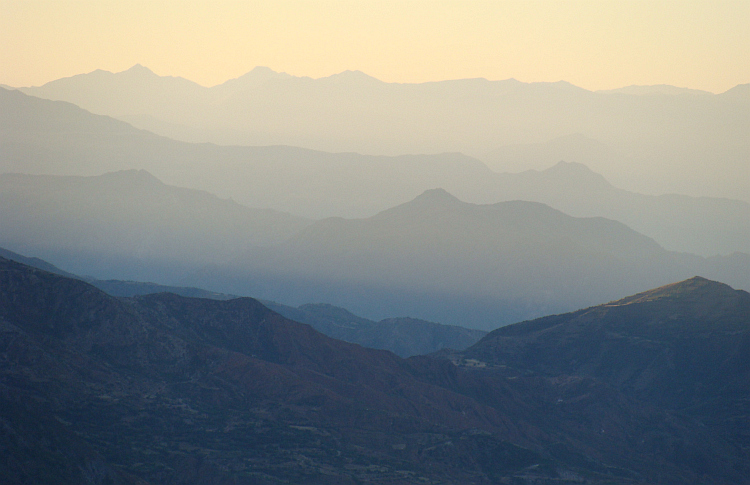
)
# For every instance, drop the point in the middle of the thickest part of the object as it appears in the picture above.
(477, 266)
(703, 136)
(45, 137)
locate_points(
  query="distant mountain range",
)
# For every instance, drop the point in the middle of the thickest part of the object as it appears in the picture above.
(43, 137)
(122, 224)
(167, 389)
(419, 210)
(664, 142)
(478, 266)
(434, 258)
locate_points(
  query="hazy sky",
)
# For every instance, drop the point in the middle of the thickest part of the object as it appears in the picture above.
(595, 44)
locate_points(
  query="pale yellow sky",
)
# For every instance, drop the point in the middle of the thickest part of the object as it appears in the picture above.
(595, 44)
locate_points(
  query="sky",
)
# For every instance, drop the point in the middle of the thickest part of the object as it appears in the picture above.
(594, 44)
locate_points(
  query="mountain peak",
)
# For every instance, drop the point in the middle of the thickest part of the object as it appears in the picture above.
(262, 71)
(437, 195)
(257, 74)
(695, 290)
(140, 70)
(428, 202)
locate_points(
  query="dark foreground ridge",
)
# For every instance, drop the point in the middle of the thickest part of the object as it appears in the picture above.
(403, 336)
(168, 389)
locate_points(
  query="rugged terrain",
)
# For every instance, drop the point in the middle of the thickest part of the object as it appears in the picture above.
(167, 389)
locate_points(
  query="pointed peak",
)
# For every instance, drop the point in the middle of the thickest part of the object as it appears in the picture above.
(262, 71)
(141, 70)
(257, 74)
(438, 195)
(428, 202)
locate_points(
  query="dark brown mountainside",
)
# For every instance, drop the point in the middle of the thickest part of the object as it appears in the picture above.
(167, 389)
(683, 347)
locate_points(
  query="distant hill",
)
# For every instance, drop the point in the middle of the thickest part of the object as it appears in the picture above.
(479, 266)
(116, 287)
(163, 388)
(129, 225)
(403, 336)
(44, 137)
(740, 93)
(35, 262)
(699, 225)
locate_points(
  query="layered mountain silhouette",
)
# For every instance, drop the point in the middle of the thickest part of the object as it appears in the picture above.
(693, 144)
(434, 258)
(167, 389)
(116, 287)
(383, 200)
(479, 266)
(44, 137)
(699, 225)
(129, 225)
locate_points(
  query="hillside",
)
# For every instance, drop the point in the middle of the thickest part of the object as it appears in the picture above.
(129, 225)
(403, 336)
(684, 347)
(169, 389)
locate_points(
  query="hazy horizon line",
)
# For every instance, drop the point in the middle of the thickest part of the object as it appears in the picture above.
(139, 65)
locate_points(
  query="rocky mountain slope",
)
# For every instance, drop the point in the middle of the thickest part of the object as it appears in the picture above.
(684, 347)
(401, 335)
(166, 389)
